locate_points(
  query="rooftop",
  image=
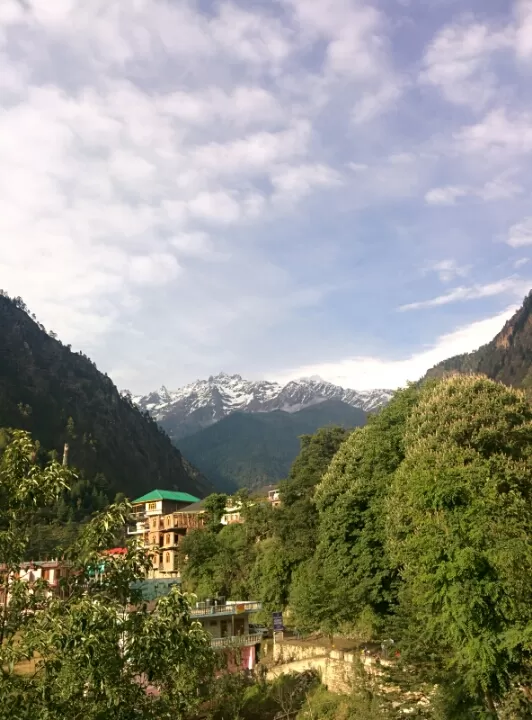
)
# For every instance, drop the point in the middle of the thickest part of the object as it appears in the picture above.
(166, 495)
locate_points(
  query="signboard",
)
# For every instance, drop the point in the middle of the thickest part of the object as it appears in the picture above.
(278, 621)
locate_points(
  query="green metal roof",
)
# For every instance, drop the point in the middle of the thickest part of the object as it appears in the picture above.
(166, 495)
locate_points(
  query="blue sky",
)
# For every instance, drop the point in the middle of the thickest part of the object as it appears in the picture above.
(332, 187)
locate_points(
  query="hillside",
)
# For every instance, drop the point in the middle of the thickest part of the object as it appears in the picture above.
(507, 358)
(202, 403)
(60, 396)
(252, 449)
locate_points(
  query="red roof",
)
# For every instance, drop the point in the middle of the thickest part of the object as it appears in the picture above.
(116, 551)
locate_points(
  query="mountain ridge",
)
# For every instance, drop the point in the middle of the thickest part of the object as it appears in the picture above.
(253, 449)
(507, 358)
(202, 403)
(60, 396)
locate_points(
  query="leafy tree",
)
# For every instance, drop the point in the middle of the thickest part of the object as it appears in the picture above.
(270, 574)
(350, 579)
(96, 650)
(297, 518)
(214, 506)
(460, 527)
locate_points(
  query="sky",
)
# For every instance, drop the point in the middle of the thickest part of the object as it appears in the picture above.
(277, 189)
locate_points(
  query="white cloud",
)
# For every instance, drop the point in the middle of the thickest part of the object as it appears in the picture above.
(458, 61)
(156, 269)
(523, 12)
(445, 195)
(448, 270)
(510, 285)
(365, 373)
(520, 234)
(519, 263)
(294, 182)
(375, 102)
(500, 188)
(499, 131)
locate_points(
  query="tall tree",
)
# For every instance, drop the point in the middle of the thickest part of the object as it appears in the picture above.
(351, 568)
(97, 651)
(460, 528)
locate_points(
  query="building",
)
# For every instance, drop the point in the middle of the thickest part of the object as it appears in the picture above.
(164, 535)
(161, 519)
(228, 624)
(233, 511)
(50, 571)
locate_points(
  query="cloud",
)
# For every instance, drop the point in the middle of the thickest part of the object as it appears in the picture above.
(519, 263)
(365, 373)
(523, 13)
(448, 270)
(520, 234)
(501, 131)
(186, 187)
(458, 61)
(460, 294)
(500, 188)
(445, 195)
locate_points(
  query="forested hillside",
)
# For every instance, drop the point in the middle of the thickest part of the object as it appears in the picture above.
(60, 396)
(253, 449)
(507, 358)
(415, 528)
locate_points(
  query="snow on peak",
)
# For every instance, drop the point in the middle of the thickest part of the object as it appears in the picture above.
(204, 402)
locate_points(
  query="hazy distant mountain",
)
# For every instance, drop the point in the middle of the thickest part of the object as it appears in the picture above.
(202, 403)
(253, 449)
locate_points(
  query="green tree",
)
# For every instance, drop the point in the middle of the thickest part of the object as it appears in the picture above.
(460, 528)
(96, 649)
(214, 505)
(297, 519)
(350, 580)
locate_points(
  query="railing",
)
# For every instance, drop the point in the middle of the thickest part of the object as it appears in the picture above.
(236, 640)
(232, 609)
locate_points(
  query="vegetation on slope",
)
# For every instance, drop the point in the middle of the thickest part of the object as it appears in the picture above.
(420, 530)
(507, 358)
(254, 449)
(60, 396)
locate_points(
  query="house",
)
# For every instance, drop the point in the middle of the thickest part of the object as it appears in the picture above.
(228, 624)
(233, 511)
(51, 571)
(162, 518)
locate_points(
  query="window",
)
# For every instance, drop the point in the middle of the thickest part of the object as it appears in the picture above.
(152, 506)
(167, 560)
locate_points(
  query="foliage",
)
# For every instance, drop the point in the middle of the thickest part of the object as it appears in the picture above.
(240, 697)
(96, 647)
(506, 358)
(60, 396)
(460, 528)
(350, 580)
(254, 449)
(214, 506)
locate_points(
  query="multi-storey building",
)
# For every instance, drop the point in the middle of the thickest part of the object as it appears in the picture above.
(228, 624)
(161, 520)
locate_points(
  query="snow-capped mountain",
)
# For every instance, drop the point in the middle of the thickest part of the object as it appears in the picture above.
(204, 402)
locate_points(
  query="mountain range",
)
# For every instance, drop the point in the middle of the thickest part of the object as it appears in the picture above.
(253, 449)
(201, 404)
(243, 433)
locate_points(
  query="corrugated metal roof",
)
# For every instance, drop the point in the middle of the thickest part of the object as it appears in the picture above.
(166, 495)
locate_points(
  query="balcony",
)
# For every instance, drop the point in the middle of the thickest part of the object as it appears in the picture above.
(227, 609)
(138, 529)
(236, 641)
